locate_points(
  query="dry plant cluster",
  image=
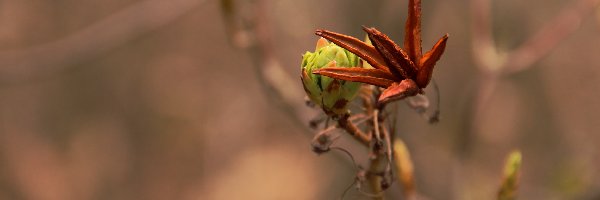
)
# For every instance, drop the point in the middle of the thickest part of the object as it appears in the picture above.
(402, 74)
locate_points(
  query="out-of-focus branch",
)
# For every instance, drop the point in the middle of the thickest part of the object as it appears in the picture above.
(278, 83)
(253, 34)
(538, 45)
(493, 65)
(21, 65)
(484, 47)
(548, 37)
(29, 158)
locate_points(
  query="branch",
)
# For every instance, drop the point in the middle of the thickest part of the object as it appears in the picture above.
(349, 127)
(254, 36)
(494, 66)
(548, 37)
(483, 45)
(533, 49)
(21, 65)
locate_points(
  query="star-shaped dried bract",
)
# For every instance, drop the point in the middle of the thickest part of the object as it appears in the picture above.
(403, 72)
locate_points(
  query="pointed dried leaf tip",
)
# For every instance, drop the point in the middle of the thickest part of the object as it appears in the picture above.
(397, 60)
(398, 91)
(370, 76)
(361, 49)
(412, 40)
(428, 62)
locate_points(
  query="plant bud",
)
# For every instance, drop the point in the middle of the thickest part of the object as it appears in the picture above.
(332, 95)
(510, 182)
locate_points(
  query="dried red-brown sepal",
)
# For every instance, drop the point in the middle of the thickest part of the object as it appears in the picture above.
(396, 59)
(369, 76)
(412, 40)
(428, 62)
(361, 49)
(399, 90)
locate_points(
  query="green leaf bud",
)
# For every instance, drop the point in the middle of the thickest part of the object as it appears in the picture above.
(332, 95)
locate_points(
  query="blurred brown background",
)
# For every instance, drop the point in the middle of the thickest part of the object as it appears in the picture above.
(114, 99)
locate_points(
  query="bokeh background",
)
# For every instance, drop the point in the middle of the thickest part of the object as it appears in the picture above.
(154, 99)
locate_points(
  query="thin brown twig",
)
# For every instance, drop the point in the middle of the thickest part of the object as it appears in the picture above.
(361, 120)
(351, 128)
(388, 140)
(376, 124)
(358, 116)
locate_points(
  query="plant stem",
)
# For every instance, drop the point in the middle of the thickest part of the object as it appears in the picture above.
(345, 123)
(374, 178)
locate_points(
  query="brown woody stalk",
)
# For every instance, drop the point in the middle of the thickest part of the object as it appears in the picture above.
(353, 130)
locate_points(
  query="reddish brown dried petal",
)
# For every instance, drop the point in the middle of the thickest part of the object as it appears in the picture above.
(361, 49)
(396, 59)
(412, 39)
(398, 91)
(369, 76)
(428, 62)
